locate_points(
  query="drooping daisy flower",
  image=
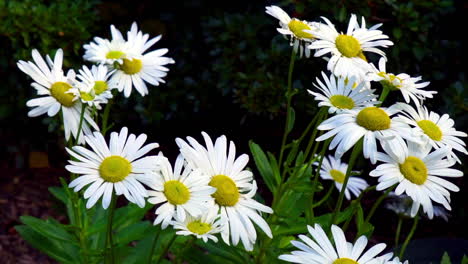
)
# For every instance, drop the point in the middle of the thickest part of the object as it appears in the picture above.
(407, 85)
(418, 174)
(294, 28)
(340, 93)
(334, 169)
(204, 227)
(402, 204)
(371, 123)
(436, 130)
(182, 191)
(93, 88)
(103, 51)
(137, 68)
(387, 259)
(234, 185)
(49, 80)
(320, 250)
(347, 50)
(117, 167)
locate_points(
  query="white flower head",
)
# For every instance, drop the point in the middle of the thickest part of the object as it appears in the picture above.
(50, 81)
(204, 227)
(347, 50)
(294, 29)
(320, 250)
(418, 173)
(234, 185)
(372, 123)
(93, 86)
(182, 191)
(435, 130)
(402, 204)
(104, 51)
(341, 93)
(407, 85)
(117, 167)
(334, 169)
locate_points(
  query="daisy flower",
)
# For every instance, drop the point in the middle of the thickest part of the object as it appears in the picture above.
(204, 227)
(294, 28)
(320, 250)
(387, 259)
(402, 204)
(339, 94)
(181, 191)
(347, 50)
(418, 174)
(93, 88)
(407, 85)
(371, 123)
(137, 68)
(436, 130)
(103, 51)
(49, 80)
(117, 167)
(234, 185)
(334, 169)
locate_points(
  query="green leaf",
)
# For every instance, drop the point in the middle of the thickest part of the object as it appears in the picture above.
(222, 250)
(45, 245)
(291, 120)
(445, 259)
(59, 193)
(133, 232)
(464, 260)
(264, 167)
(48, 229)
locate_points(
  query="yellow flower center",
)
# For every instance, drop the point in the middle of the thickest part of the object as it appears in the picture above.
(342, 102)
(100, 87)
(59, 90)
(414, 170)
(391, 81)
(131, 66)
(297, 27)
(114, 55)
(226, 193)
(87, 96)
(176, 192)
(373, 118)
(337, 175)
(345, 261)
(349, 46)
(115, 169)
(198, 227)
(430, 129)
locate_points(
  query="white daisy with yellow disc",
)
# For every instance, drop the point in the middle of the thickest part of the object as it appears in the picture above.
(320, 249)
(181, 192)
(347, 50)
(407, 85)
(418, 173)
(436, 130)
(204, 227)
(372, 123)
(115, 168)
(138, 68)
(56, 88)
(235, 188)
(294, 29)
(334, 169)
(340, 94)
(93, 87)
(104, 51)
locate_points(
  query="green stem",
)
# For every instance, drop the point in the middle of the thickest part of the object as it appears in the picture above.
(153, 245)
(311, 124)
(398, 230)
(105, 117)
(323, 115)
(166, 249)
(80, 126)
(288, 107)
(377, 203)
(109, 242)
(355, 203)
(408, 238)
(325, 198)
(384, 94)
(354, 155)
(310, 212)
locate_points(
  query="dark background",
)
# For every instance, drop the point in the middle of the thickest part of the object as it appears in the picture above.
(229, 78)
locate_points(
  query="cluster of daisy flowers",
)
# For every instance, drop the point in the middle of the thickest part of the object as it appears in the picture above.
(415, 147)
(120, 64)
(207, 192)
